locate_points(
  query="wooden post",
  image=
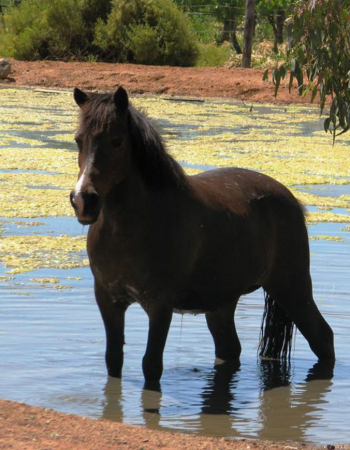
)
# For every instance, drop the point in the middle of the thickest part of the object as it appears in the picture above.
(248, 32)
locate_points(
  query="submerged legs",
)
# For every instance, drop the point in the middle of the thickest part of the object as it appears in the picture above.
(222, 327)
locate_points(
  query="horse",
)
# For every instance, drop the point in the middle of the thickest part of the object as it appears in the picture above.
(187, 244)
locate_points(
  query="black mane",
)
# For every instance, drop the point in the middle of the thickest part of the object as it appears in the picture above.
(158, 168)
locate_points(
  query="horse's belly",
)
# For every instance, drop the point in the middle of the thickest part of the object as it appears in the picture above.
(189, 311)
(197, 301)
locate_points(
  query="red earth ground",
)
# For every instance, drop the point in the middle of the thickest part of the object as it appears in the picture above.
(29, 428)
(208, 82)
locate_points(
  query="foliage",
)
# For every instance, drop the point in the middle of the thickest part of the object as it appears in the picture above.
(230, 13)
(320, 58)
(39, 29)
(276, 12)
(227, 13)
(141, 31)
(212, 55)
(205, 26)
(147, 32)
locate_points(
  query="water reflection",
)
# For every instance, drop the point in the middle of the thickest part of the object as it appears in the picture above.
(287, 409)
(112, 406)
(284, 409)
(218, 399)
(218, 393)
(151, 403)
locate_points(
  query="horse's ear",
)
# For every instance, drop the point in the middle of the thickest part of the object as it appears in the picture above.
(121, 99)
(80, 97)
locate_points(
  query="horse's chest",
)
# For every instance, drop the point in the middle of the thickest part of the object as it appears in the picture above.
(120, 292)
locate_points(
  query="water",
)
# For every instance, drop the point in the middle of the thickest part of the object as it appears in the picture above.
(52, 355)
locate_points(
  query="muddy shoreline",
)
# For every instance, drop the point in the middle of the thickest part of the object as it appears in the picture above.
(30, 428)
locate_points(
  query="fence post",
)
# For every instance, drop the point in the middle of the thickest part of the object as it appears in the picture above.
(248, 32)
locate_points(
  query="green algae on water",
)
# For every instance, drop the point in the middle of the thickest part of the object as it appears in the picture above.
(39, 161)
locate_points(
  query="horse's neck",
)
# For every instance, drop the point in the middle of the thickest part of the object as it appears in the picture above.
(133, 200)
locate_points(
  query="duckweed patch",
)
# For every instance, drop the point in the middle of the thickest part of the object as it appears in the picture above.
(27, 253)
(39, 162)
(44, 280)
(326, 238)
(315, 217)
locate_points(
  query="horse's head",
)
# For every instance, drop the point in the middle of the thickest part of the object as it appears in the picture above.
(102, 140)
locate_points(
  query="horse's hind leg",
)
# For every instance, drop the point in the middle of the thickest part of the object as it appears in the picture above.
(222, 327)
(297, 302)
(113, 315)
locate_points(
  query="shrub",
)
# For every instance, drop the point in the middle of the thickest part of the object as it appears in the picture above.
(143, 31)
(149, 32)
(38, 29)
(143, 43)
(213, 55)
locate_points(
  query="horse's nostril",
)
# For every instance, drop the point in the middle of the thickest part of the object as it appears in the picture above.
(91, 203)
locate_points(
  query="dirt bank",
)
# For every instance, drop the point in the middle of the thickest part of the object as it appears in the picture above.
(235, 84)
(27, 428)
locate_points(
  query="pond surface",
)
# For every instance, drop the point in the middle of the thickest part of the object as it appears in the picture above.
(51, 334)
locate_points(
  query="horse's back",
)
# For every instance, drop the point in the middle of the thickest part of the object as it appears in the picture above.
(240, 190)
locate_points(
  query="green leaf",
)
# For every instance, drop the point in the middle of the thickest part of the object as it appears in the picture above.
(313, 94)
(326, 124)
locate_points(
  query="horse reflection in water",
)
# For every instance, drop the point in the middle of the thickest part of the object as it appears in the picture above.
(282, 409)
(194, 244)
(288, 409)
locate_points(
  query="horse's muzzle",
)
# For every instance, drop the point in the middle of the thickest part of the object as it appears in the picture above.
(86, 206)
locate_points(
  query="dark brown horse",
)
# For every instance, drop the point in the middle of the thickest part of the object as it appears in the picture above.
(191, 244)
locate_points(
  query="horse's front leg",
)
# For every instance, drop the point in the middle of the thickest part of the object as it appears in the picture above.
(113, 315)
(222, 327)
(159, 315)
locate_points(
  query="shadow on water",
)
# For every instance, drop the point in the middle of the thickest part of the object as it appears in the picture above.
(283, 406)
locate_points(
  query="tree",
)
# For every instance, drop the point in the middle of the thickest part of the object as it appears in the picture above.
(319, 58)
(228, 12)
(248, 32)
(275, 11)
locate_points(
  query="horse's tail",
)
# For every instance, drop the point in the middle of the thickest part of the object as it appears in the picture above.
(277, 329)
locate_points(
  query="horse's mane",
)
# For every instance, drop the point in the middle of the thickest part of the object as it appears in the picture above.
(158, 168)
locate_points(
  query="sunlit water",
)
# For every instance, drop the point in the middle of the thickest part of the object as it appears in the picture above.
(52, 355)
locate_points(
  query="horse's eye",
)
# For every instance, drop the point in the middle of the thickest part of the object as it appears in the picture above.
(79, 143)
(117, 142)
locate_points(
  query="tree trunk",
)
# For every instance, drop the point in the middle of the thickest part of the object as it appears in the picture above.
(277, 27)
(234, 40)
(248, 32)
(225, 36)
(280, 19)
(271, 20)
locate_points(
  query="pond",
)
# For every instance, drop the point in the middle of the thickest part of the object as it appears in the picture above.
(51, 334)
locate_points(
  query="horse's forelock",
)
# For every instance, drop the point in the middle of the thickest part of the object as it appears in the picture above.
(97, 113)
